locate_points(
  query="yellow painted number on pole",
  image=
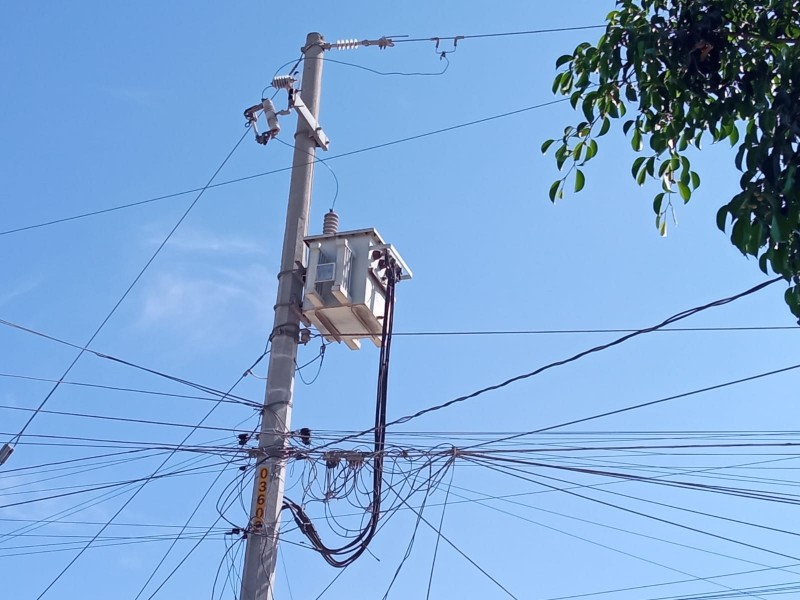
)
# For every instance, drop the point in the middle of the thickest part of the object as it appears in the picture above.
(261, 498)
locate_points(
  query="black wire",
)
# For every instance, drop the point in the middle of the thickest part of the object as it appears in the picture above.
(407, 74)
(284, 169)
(115, 388)
(674, 318)
(128, 289)
(502, 34)
(452, 545)
(642, 405)
(438, 536)
(510, 471)
(181, 532)
(584, 331)
(316, 158)
(119, 419)
(222, 396)
(144, 483)
(484, 502)
(637, 556)
(102, 487)
(357, 546)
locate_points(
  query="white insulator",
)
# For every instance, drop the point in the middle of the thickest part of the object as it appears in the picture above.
(330, 224)
(283, 82)
(269, 114)
(347, 44)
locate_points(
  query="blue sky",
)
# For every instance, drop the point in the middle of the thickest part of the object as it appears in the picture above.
(107, 104)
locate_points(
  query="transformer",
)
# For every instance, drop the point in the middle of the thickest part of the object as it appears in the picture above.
(345, 291)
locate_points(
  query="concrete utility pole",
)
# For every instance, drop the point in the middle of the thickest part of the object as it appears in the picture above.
(261, 553)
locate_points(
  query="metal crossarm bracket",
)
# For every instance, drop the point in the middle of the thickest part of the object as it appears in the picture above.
(316, 129)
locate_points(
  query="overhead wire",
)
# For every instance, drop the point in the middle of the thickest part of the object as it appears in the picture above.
(401, 40)
(643, 405)
(515, 472)
(117, 388)
(636, 556)
(143, 483)
(670, 320)
(219, 395)
(128, 290)
(289, 168)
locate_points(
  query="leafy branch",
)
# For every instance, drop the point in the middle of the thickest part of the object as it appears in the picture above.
(690, 70)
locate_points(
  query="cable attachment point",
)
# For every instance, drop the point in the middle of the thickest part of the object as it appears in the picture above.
(348, 44)
(443, 53)
(283, 82)
(270, 114)
(5, 452)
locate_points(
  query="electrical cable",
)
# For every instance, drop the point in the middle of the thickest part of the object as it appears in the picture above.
(642, 405)
(128, 290)
(143, 484)
(118, 419)
(673, 319)
(222, 396)
(316, 158)
(376, 72)
(111, 387)
(637, 556)
(183, 529)
(502, 34)
(289, 168)
(438, 535)
(511, 470)
(352, 550)
(452, 545)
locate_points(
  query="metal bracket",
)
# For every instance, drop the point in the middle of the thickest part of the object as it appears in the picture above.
(316, 129)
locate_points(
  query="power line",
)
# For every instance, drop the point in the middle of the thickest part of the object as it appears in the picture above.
(129, 289)
(116, 388)
(643, 405)
(673, 319)
(401, 40)
(222, 396)
(120, 419)
(589, 331)
(284, 169)
(150, 477)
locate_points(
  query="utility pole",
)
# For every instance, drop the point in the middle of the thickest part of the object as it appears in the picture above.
(261, 552)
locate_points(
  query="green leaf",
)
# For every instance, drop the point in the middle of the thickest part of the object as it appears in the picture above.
(562, 60)
(763, 263)
(580, 180)
(695, 180)
(662, 230)
(641, 177)
(637, 166)
(591, 150)
(547, 145)
(734, 136)
(627, 126)
(604, 127)
(636, 140)
(588, 107)
(722, 218)
(658, 202)
(554, 190)
(684, 191)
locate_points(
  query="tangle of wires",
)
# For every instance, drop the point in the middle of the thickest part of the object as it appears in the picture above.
(347, 481)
